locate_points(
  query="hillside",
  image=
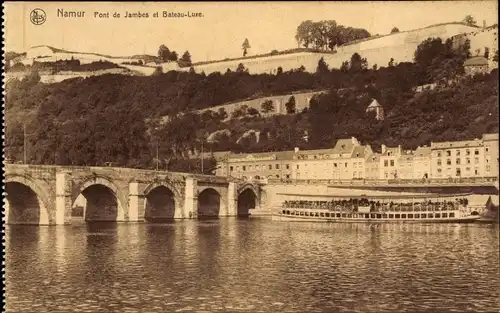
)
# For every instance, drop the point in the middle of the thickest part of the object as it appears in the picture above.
(378, 49)
(79, 122)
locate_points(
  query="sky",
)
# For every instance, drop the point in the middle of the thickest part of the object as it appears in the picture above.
(222, 28)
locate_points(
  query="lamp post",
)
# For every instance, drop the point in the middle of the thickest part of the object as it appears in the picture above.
(157, 154)
(202, 156)
(25, 144)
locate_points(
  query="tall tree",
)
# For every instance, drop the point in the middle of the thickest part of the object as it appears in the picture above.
(245, 46)
(164, 53)
(357, 63)
(322, 66)
(394, 30)
(290, 105)
(267, 106)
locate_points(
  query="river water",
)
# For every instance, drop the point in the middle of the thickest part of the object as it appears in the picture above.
(253, 265)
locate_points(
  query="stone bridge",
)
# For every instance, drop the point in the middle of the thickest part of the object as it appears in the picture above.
(45, 195)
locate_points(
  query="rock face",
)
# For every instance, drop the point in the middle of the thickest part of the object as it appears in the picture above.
(250, 133)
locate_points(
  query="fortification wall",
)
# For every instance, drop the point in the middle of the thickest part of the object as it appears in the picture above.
(301, 102)
(400, 46)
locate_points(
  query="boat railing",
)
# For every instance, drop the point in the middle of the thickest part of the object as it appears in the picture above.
(397, 181)
(384, 207)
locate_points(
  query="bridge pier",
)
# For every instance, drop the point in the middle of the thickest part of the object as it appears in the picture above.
(232, 199)
(190, 209)
(63, 199)
(136, 203)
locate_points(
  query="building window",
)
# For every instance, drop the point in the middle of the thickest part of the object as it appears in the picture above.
(476, 160)
(476, 171)
(334, 164)
(288, 176)
(467, 152)
(346, 164)
(439, 154)
(476, 152)
(249, 167)
(467, 169)
(458, 172)
(439, 170)
(392, 162)
(237, 168)
(270, 167)
(468, 160)
(439, 162)
(458, 152)
(231, 168)
(244, 168)
(277, 176)
(448, 161)
(386, 163)
(297, 166)
(448, 153)
(487, 149)
(458, 161)
(488, 168)
(288, 166)
(277, 166)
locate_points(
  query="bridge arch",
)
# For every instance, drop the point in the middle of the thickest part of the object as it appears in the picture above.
(162, 202)
(248, 199)
(27, 201)
(209, 203)
(104, 200)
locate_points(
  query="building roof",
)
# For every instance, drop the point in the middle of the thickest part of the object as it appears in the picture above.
(374, 104)
(422, 152)
(391, 151)
(457, 144)
(476, 61)
(274, 155)
(374, 158)
(360, 151)
(345, 145)
(490, 136)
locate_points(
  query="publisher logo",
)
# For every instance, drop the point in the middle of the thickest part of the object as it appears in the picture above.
(38, 16)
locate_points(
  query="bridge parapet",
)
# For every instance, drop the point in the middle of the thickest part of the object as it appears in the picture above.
(121, 194)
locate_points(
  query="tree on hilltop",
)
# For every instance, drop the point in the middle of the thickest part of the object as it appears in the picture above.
(186, 57)
(395, 30)
(469, 20)
(245, 46)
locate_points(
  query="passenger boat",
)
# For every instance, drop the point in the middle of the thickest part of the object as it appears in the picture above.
(383, 209)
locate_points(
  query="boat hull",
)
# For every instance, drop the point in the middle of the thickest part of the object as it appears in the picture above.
(295, 218)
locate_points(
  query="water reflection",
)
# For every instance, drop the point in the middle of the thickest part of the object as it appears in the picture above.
(252, 266)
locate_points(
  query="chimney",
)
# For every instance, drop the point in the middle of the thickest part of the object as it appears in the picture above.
(383, 148)
(296, 150)
(484, 23)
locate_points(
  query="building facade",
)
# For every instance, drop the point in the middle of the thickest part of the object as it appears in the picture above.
(349, 159)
